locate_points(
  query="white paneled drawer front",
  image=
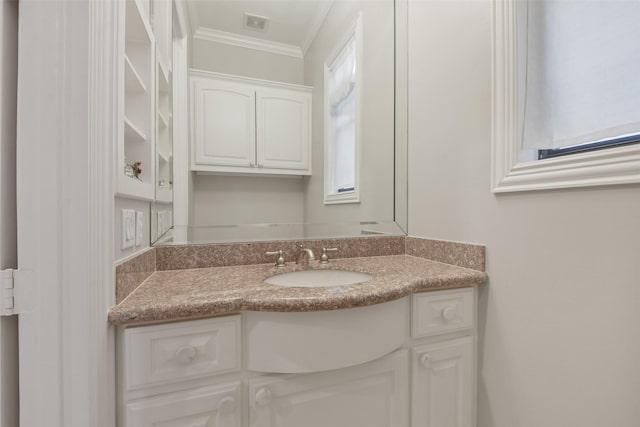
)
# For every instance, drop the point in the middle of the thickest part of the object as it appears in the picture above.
(181, 351)
(202, 407)
(443, 311)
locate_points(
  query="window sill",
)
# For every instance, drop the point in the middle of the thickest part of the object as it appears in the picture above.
(604, 167)
(340, 198)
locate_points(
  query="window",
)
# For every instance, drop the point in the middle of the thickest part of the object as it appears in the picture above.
(566, 99)
(342, 118)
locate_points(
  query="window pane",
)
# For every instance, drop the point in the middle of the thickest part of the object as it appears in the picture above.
(582, 64)
(341, 93)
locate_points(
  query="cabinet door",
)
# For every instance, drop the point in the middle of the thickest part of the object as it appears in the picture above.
(217, 406)
(442, 384)
(223, 123)
(284, 129)
(374, 394)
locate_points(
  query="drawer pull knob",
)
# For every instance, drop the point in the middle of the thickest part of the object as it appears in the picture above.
(425, 360)
(186, 354)
(448, 313)
(263, 396)
(226, 405)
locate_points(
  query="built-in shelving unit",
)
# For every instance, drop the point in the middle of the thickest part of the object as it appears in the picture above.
(162, 28)
(137, 102)
(164, 139)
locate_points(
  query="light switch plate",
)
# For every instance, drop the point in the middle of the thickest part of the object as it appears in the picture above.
(139, 227)
(128, 227)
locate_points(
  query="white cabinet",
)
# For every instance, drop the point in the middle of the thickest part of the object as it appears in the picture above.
(200, 372)
(169, 374)
(442, 387)
(283, 129)
(161, 354)
(224, 120)
(374, 394)
(202, 407)
(443, 359)
(249, 126)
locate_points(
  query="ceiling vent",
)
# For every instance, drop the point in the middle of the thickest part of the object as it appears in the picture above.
(255, 22)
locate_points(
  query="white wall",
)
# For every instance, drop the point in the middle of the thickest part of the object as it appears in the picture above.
(560, 316)
(223, 58)
(224, 200)
(377, 166)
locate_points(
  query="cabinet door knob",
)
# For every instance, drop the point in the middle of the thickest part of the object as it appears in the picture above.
(227, 404)
(425, 360)
(263, 396)
(448, 313)
(251, 164)
(186, 354)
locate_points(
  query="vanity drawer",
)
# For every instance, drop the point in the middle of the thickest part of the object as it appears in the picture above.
(439, 312)
(218, 405)
(173, 352)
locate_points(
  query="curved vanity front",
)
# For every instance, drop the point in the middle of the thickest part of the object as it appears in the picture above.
(382, 353)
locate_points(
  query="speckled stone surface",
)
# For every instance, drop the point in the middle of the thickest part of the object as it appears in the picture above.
(194, 293)
(220, 255)
(130, 274)
(461, 254)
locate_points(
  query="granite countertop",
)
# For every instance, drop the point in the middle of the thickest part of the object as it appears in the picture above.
(205, 292)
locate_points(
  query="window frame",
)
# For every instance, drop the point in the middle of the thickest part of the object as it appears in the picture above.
(609, 166)
(354, 31)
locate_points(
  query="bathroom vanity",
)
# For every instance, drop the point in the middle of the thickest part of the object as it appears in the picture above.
(219, 347)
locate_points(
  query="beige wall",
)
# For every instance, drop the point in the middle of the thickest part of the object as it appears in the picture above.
(224, 200)
(222, 58)
(376, 174)
(560, 316)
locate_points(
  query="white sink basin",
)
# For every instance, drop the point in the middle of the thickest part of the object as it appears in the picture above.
(318, 278)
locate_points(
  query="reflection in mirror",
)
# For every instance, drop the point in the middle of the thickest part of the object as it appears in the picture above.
(162, 207)
(342, 104)
(292, 122)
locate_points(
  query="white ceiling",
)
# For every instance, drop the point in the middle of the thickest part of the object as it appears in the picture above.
(292, 23)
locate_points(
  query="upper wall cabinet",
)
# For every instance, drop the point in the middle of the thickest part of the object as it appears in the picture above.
(249, 126)
(136, 109)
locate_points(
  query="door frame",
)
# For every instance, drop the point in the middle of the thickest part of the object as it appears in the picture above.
(65, 160)
(9, 405)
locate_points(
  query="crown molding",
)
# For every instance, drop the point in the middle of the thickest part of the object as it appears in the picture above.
(314, 27)
(208, 34)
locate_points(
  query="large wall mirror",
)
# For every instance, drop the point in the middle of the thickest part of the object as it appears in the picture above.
(346, 55)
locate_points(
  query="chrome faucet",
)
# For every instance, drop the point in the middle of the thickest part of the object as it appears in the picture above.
(304, 256)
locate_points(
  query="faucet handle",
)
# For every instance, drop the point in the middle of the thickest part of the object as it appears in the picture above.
(324, 258)
(280, 261)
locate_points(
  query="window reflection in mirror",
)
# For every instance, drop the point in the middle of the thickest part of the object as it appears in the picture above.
(342, 119)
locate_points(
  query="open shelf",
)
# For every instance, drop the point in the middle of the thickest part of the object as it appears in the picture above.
(137, 99)
(132, 133)
(163, 121)
(133, 82)
(164, 158)
(137, 28)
